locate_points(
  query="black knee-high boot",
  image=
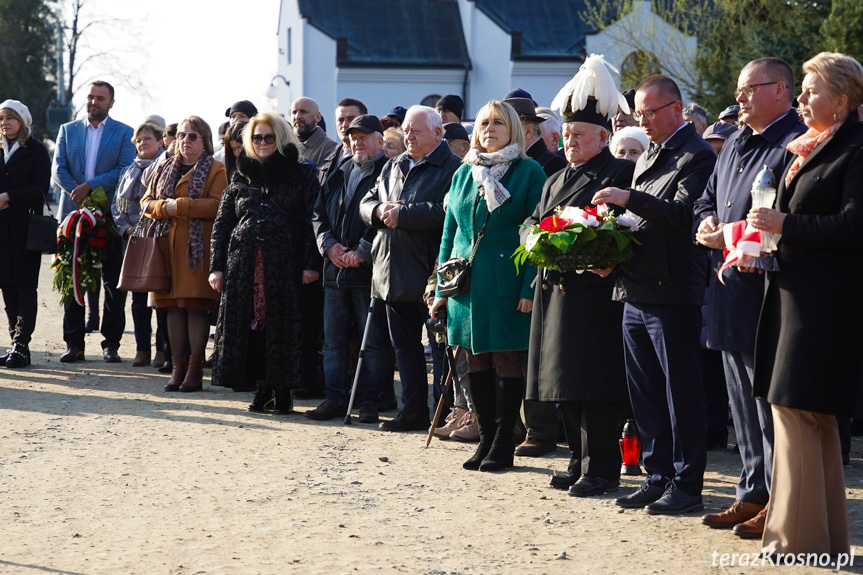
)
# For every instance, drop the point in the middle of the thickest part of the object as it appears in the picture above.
(511, 394)
(483, 392)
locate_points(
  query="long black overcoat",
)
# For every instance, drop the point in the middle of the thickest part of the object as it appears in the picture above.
(26, 177)
(248, 220)
(809, 339)
(576, 342)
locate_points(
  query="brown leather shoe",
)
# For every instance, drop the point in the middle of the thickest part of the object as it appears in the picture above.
(194, 374)
(178, 373)
(739, 512)
(752, 529)
(535, 447)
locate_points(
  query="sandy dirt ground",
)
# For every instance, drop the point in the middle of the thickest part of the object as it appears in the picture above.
(101, 472)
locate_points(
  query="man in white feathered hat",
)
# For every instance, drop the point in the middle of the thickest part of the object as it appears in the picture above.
(584, 374)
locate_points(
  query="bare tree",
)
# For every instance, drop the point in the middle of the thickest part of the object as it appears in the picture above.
(645, 44)
(87, 63)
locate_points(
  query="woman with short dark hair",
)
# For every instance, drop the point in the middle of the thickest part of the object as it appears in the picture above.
(25, 176)
(184, 197)
(126, 212)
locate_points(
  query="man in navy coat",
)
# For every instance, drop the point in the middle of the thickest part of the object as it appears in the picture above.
(765, 90)
(662, 288)
(92, 153)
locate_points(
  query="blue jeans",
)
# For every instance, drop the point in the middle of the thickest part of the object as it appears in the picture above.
(345, 314)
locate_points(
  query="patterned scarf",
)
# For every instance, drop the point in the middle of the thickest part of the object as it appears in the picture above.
(167, 179)
(803, 146)
(487, 170)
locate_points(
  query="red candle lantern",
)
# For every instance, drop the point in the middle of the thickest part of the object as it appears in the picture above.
(630, 449)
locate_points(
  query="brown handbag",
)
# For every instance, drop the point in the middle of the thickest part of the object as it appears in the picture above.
(146, 266)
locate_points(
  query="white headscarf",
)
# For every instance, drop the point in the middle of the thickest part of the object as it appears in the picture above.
(22, 111)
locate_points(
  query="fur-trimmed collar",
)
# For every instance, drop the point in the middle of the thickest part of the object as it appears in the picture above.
(276, 167)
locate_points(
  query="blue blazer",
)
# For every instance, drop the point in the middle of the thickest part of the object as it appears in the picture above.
(116, 152)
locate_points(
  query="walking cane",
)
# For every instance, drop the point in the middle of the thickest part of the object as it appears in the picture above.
(451, 360)
(360, 360)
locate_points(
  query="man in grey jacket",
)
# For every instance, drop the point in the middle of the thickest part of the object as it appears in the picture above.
(406, 209)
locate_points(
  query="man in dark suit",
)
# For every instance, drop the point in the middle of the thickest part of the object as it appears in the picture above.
(765, 90)
(534, 145)
(663, 287)
(92, 153)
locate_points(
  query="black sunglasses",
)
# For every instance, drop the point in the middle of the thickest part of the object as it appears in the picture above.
(269, 138)
(191, 136)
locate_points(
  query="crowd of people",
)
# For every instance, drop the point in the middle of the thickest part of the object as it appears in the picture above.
(316, 261)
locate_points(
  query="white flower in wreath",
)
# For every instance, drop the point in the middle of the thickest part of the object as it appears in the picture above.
(627, 220)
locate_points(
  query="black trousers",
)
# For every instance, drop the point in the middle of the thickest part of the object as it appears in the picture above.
(142, 317)
(21, 306)
(592, 433)
(113, 308)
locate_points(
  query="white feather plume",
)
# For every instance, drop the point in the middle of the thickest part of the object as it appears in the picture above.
(593, 79)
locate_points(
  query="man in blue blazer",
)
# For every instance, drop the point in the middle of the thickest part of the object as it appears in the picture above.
(92, 153)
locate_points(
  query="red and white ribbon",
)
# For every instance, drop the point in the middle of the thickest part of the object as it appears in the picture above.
(740, 240)
(73, 224)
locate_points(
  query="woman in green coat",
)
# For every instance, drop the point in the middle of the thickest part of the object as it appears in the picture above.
(497, 187)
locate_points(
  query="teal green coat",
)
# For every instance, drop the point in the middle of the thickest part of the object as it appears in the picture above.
(485, 318)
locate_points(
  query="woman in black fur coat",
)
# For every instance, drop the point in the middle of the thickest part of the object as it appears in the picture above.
(263, 250)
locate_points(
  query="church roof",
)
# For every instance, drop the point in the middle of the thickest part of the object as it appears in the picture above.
(426, 33)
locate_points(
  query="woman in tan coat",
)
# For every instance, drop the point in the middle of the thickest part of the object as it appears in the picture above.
(184, 196)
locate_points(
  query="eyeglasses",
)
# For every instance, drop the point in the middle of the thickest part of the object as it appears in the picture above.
(651, 114)
(191, 136)
(170, 134)
(269, 139)
(749, 90)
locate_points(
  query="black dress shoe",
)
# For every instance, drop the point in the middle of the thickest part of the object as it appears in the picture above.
(406, 422)
(645, 495)
(369, 413)
(111, 356)
(674, 502)
(72, 355)
(166, 367)
(562, 481)
(588, 485)
(327, 410)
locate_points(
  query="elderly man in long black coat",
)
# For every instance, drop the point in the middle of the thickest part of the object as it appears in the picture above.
(576, 346)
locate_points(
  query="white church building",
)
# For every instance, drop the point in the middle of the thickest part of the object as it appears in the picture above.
(391, 53)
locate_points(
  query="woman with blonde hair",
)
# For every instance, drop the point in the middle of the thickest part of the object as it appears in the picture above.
(263, 253)
(807, 349)
(184, 197)
(492, 193)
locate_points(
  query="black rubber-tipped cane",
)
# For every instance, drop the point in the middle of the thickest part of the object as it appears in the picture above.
(360, 360)
(451, 374)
